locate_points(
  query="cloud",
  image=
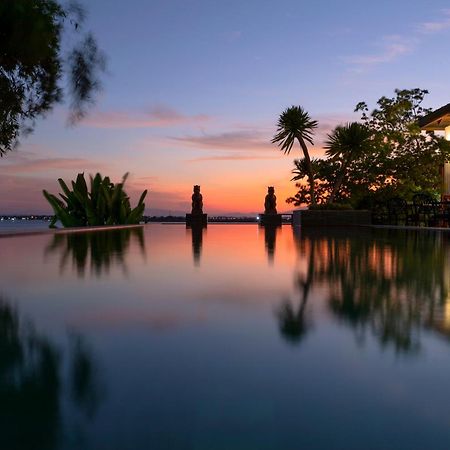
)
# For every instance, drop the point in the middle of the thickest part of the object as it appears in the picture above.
(396, 46)
(436, 26)
(157, 117)
(230, 158)
(230, 140)
(392, 48)
(47, 164)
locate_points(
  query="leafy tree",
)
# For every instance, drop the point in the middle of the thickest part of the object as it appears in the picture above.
(384, 156)
(42, 45)
(410, 159)
(294, 123)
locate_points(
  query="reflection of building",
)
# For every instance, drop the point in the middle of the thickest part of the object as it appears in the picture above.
(439, 120)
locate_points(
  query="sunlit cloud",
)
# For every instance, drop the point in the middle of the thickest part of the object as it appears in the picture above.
(230, 140)
(231, 158)
(160, 116)
(48, 164)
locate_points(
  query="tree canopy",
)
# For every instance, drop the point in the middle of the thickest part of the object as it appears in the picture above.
(43, 45)
(384, 155)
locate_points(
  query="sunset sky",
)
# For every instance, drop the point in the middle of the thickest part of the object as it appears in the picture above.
(194, 88)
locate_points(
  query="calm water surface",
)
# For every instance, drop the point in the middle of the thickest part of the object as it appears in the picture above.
(234, 337)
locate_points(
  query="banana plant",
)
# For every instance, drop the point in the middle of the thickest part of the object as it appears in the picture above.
(105, 204)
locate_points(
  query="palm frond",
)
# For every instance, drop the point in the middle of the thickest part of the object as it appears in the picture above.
(294, 123)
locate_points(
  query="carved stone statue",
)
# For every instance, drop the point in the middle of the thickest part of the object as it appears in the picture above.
(197, 201)
(270, 203)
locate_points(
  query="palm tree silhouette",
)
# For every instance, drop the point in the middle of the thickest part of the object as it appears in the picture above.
(344, 144)
(295, 123)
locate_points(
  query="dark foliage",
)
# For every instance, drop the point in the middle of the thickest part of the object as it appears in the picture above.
(34, 63)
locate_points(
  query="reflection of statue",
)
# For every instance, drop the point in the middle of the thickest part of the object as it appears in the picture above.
(197, 201)
(270, 203)
(197, 239)
(270, 236)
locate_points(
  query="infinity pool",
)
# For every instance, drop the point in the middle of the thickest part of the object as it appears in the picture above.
(233, 337)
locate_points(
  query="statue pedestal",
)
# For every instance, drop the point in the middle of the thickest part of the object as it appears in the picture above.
(270, 219)
(196, 220)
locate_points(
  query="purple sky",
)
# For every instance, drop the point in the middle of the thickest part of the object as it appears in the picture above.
(194, 89)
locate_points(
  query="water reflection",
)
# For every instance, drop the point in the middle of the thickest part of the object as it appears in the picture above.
(95, 252)
(270, 239)
(197, 241)
(32, 384)
(393, 286)
(294, 321)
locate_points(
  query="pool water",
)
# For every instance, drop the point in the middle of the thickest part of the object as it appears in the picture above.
(230, 337)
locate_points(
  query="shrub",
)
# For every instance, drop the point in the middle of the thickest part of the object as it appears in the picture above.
(106, 203)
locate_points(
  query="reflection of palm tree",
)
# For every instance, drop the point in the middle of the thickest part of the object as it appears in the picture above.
(294, 324)
(31, 385)
(378, 283)
(100, 250)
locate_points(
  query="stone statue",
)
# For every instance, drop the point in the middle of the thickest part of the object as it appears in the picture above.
(270, 203)
(197, 202)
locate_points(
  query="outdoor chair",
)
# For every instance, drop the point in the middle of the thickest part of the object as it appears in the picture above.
(426, 210)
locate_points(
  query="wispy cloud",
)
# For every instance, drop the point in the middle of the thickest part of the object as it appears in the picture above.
(393, 47)
(230, 140)
(436, 26)
(157, 117)
(231, 158)
(48, 164)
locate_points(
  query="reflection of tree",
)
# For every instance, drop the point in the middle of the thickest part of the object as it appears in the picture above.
(31, 385)
(85, 388)
(392, 284)
(98, 249)
(293, 322)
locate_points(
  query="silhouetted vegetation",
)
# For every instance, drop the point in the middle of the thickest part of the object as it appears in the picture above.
(36, 61)
(384, 156)
(393, 285)
(294, 123)
(106, 203)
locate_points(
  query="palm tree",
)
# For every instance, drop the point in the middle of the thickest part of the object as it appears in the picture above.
(345, 144)
(295, 123)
